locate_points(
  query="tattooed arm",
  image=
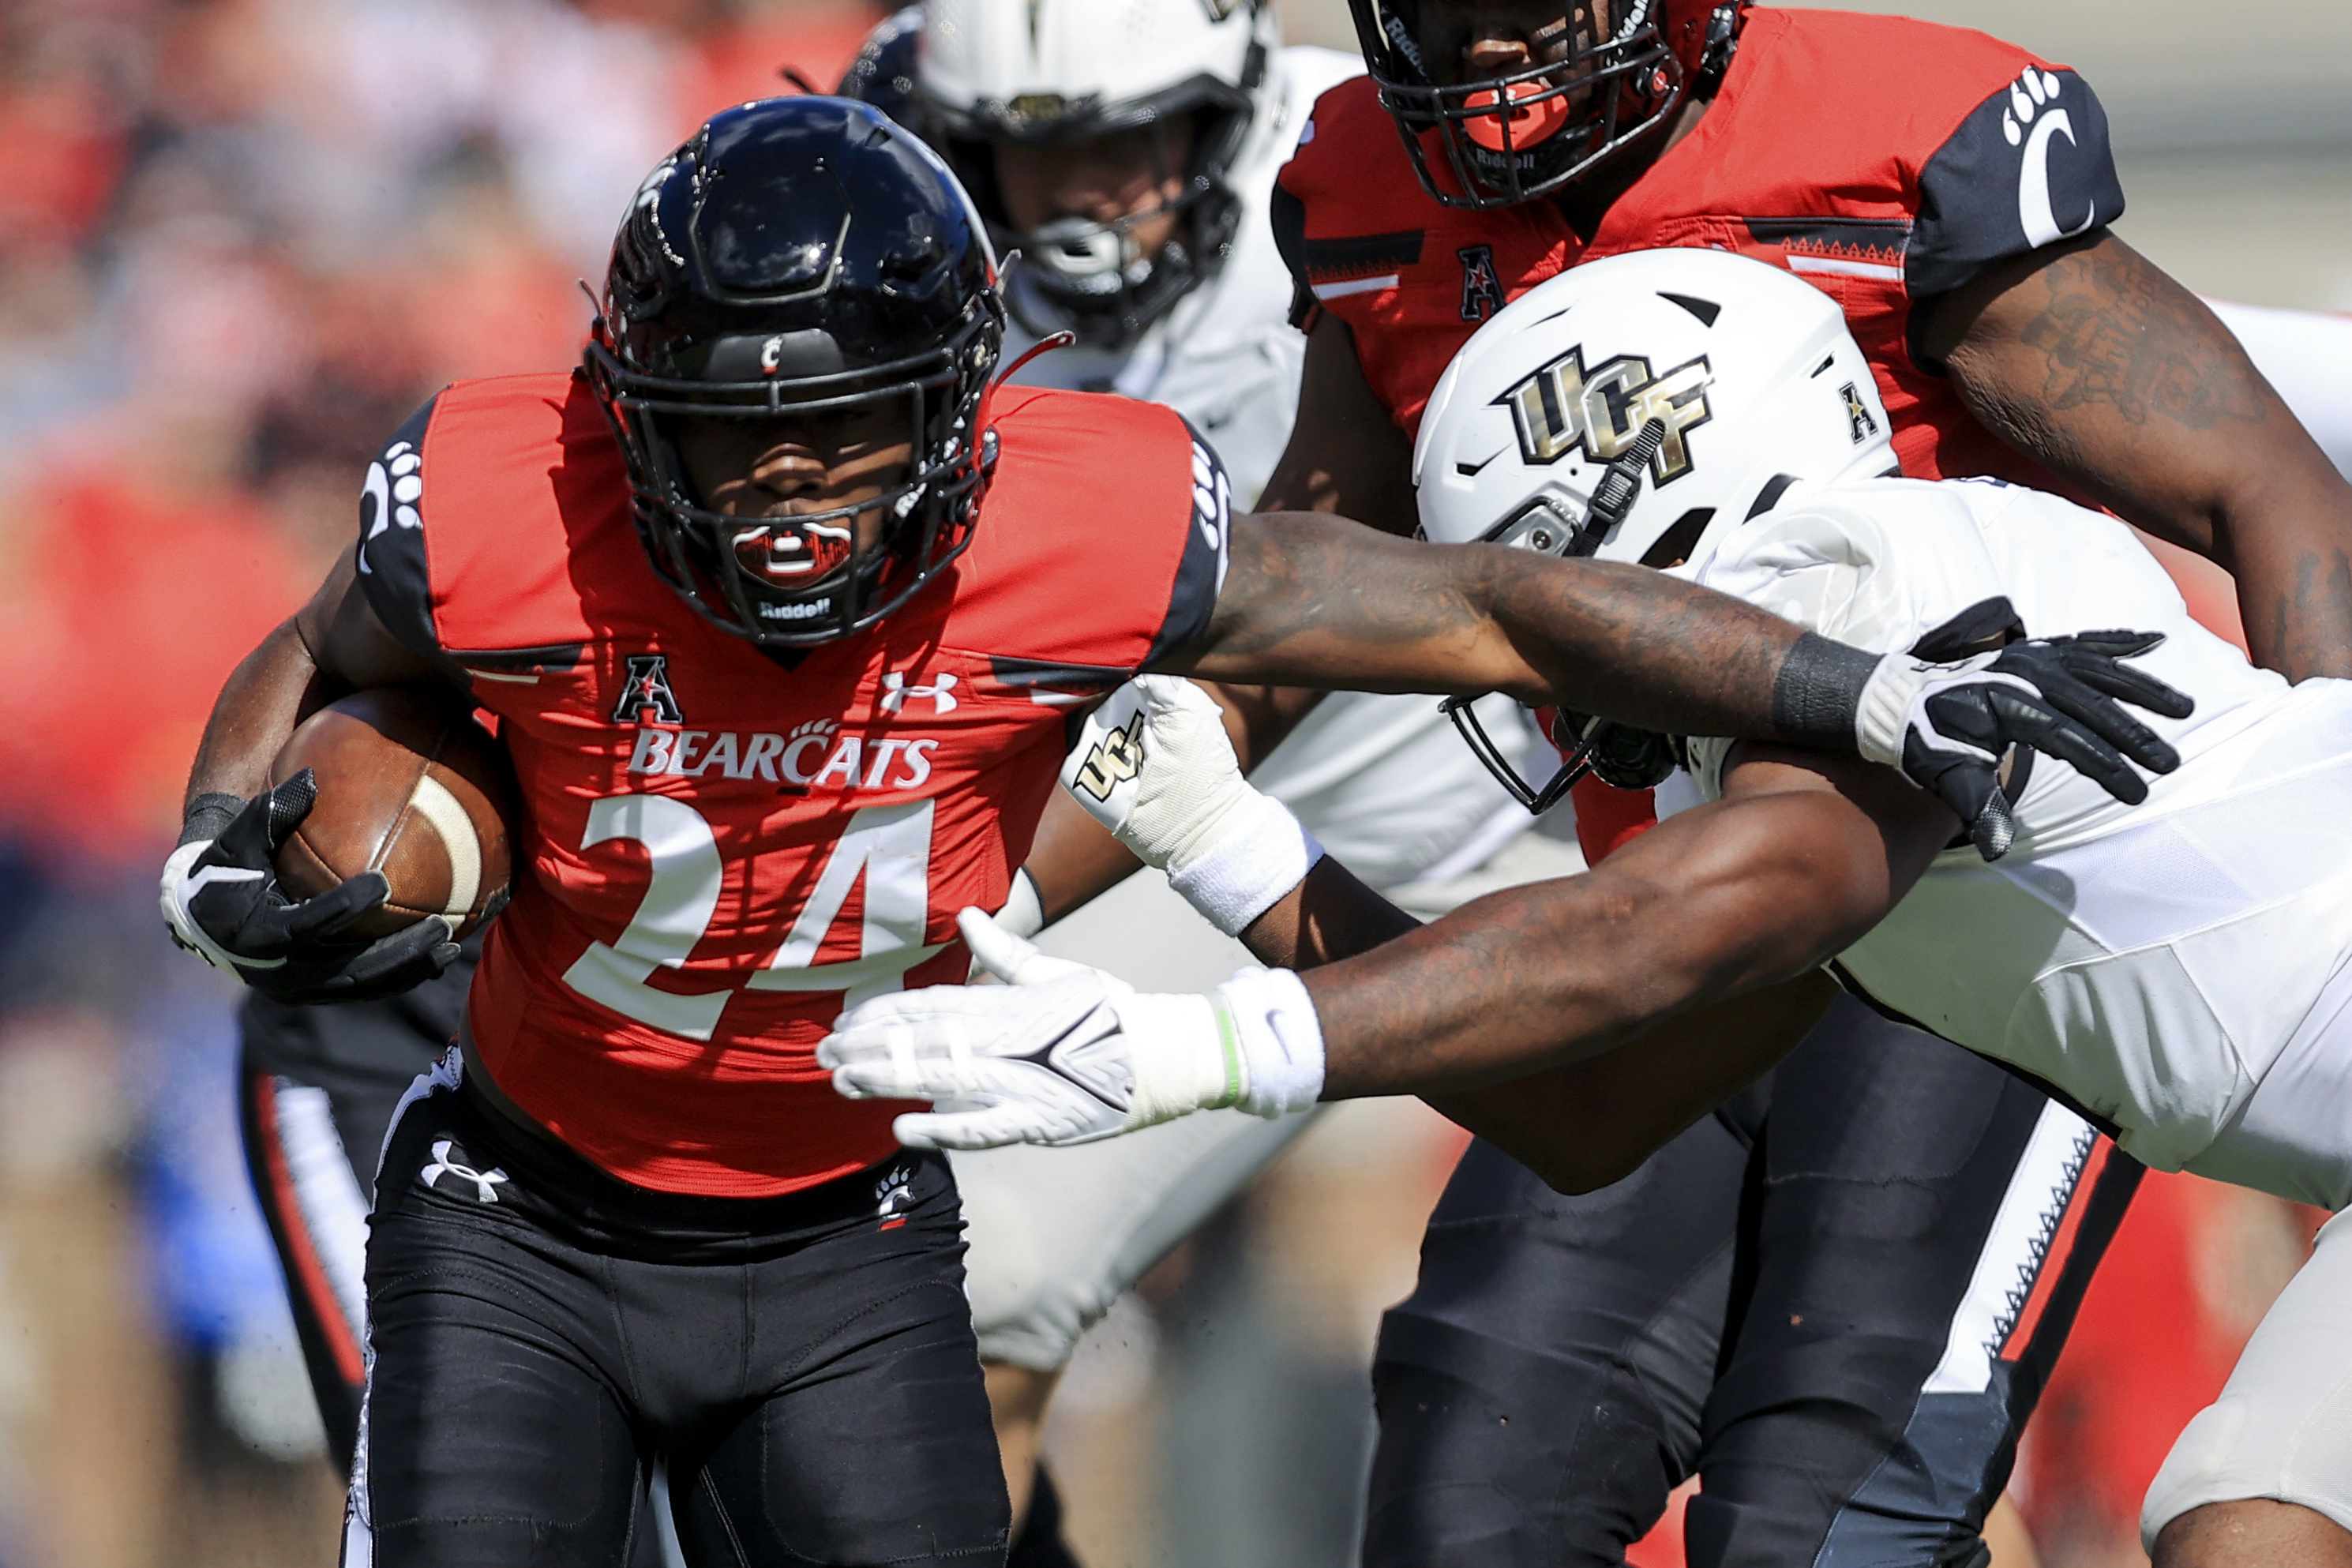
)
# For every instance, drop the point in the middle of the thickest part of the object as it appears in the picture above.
(1801, 857)
(2086, 357)
(1317, 600)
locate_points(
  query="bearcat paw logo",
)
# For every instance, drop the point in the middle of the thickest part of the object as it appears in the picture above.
(394, 485)
(2027, 95)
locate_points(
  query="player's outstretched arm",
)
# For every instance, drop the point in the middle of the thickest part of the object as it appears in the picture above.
(1316, 601)
(1802, 855)
(2087, 357)
(220, 897)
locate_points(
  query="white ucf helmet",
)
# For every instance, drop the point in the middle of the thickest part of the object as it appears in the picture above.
(1042, 71)
(1638, 409)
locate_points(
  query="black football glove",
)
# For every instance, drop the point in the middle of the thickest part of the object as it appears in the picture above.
(222, 901)
(1948, 722)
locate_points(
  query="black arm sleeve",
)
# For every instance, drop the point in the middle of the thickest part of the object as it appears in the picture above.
(1200, 575)
(393, 569)
(2029, 166)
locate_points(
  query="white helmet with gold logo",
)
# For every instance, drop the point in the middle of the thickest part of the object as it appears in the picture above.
(1641, 407)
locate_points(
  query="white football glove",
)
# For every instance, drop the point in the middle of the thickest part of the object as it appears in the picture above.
(1154, 766)
(1063, 1053)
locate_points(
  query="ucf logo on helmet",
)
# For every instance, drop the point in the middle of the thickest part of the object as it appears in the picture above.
(1563, 408)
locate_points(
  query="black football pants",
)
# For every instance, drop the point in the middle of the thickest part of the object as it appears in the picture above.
(539, 1332)
(1835, 1302)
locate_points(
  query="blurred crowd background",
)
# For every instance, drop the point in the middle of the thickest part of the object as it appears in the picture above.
(240, 241)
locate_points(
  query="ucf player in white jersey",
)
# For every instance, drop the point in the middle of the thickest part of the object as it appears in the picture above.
(1126, 150)
(2180, 971)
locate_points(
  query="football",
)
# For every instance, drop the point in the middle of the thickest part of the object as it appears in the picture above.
(408, 786)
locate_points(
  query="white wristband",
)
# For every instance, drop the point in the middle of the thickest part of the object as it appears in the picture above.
(1279, 1037)
(1260, 853)
(1186, 1055)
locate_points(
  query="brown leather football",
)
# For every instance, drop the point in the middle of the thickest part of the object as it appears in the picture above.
(408, 786)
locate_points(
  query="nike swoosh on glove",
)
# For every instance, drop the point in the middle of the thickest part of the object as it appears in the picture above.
(1063, 1053)
(1947, 724)
(222, 901)
(1153, 764)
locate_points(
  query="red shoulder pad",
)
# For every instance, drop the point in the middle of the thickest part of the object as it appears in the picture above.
(1883, 94)
(1349, 150)
(1101, 539)
(526, 506)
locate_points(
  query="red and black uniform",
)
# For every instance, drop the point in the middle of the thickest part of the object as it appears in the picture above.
(1767, 1301)
(720, 1260)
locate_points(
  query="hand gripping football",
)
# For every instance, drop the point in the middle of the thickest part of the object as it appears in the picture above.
(408, 786)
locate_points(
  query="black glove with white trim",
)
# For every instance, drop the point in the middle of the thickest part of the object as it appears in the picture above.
(1948, 722)
(222, 901)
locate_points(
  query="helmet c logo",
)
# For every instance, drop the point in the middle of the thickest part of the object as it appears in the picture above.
(1560, 409)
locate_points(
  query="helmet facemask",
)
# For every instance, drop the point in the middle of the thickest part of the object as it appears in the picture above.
(800, 579)
(1099, 281)
(1093, 278)
(1620, 755)
(1531, 133)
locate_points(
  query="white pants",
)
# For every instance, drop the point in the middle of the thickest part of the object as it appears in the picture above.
(2282, 1425)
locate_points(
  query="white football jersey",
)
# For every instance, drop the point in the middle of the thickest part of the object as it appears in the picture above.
(1225, 356)
(2153, 963)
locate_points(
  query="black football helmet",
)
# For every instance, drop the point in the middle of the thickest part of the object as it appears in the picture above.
(1517, 137)
(801, 255)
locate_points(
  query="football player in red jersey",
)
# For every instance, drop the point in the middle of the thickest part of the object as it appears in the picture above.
(1737, 1310)
(782, 608)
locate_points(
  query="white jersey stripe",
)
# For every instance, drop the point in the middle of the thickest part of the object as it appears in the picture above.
(1355, 286)
(2015, 1251)
(333, 1210)
(1844, 268)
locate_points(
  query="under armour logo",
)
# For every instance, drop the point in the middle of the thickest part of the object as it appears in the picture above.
(647, 686)
(486, 1183)
(1482, 292)
(894, 692)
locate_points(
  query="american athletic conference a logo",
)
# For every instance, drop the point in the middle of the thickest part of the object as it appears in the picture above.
(1482, 290)
(647, 686)
(1563, 408)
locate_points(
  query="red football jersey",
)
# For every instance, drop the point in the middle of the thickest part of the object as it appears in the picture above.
(1883, 160)
(722, 848)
